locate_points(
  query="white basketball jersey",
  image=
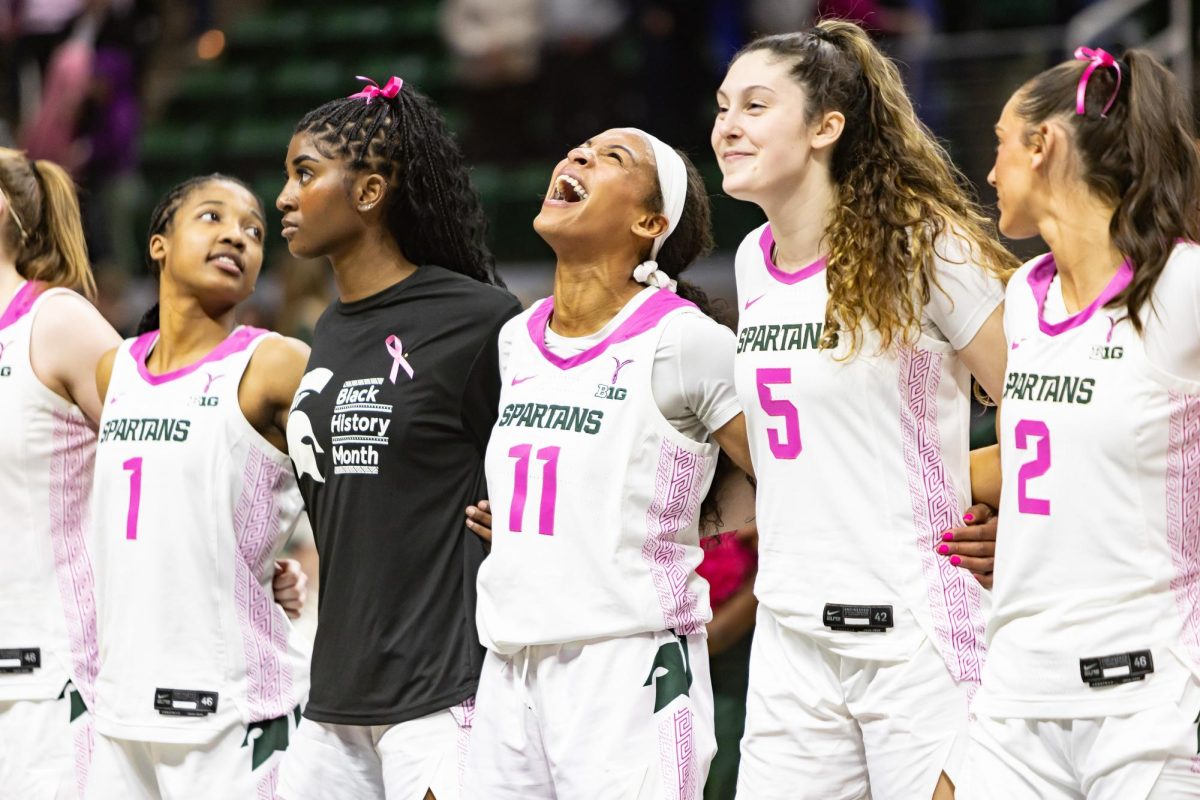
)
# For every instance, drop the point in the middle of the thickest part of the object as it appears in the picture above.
(192, 506)
(1097, 581)
(861, 465)
(595, 495)
(47, 604)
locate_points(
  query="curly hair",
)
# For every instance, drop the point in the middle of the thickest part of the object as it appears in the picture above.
(433, 211)
(44, 230)
(897, 192)
(1140, 156)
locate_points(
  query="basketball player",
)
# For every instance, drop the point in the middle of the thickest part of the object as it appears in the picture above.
(615, 394)
(1091, 686)
(867, 302)
(201, 676)
(387, 433)
(50, 341)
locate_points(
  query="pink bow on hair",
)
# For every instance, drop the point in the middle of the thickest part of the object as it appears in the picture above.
(1096, 58)
(389, 90)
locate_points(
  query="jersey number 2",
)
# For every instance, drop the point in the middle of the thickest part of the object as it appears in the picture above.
(516, 513)
(788, 445)
(134, 466)
(1026, 429)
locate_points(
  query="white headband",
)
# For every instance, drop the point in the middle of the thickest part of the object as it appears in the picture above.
(673, 182)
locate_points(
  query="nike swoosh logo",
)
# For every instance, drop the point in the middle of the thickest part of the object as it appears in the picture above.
(755, 300)
(517, 380)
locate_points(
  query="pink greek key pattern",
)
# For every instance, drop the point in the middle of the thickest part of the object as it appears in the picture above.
(464, 717)
(1183, 518)
(954, 596)
(84, 739)
(676, 754)
(677, 483)
(71, 465)
(269, 690)
(268, 782)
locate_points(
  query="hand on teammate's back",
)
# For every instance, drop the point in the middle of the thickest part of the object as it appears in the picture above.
(290, 586)
(973, 545)
(479, 520)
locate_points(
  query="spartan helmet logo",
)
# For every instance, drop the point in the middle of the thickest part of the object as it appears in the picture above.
(302, 442)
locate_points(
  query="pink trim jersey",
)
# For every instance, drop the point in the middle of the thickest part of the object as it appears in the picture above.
(192, 506)
(595, 495)
(862, 463)
(47, 604)
(1097, 583)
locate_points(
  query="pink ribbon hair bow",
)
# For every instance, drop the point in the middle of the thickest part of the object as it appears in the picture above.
(389, 89)
(1096, 58)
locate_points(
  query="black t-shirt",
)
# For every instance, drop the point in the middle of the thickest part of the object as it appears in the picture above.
(388, 435)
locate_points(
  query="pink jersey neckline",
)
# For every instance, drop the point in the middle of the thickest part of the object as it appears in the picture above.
(1042, 275)
(643, 319)
(766, 242)
(22, 301)
(235, 342)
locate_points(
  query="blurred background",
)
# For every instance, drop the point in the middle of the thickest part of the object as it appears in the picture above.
(133, 96)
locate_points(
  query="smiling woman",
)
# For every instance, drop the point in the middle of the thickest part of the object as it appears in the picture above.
(616, 392)
(194, 497)
(868, 301)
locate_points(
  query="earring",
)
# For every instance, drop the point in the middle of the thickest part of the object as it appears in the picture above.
(366, 206)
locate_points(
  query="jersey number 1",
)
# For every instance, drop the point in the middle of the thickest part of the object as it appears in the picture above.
(134, 466)
(516, 513)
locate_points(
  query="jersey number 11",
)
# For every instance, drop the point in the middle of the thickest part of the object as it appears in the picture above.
(516, 513)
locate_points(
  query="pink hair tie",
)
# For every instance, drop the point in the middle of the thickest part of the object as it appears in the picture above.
(389, 90)
(1096, 58)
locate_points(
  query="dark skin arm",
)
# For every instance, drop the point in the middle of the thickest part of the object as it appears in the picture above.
(733, 620)
(270, 383)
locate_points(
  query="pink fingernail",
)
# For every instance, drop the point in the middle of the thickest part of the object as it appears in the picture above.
(968, 517)
(947, 536)
(944, 549)
(955, 561)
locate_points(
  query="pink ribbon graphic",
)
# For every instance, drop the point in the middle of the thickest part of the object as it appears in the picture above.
(389, 90)
(396, 350)
(1096, 58)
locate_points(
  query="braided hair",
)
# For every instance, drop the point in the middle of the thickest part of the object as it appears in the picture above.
(433, 211)
(160, 222)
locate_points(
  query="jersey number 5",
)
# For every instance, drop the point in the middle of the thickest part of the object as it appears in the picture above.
(516, 513)
(787, 445)
(1025, 430)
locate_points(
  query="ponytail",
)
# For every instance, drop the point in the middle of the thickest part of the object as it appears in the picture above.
(898, 193)
(1140, 155)
(432, 209)
(45, 232)
(148, 322)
